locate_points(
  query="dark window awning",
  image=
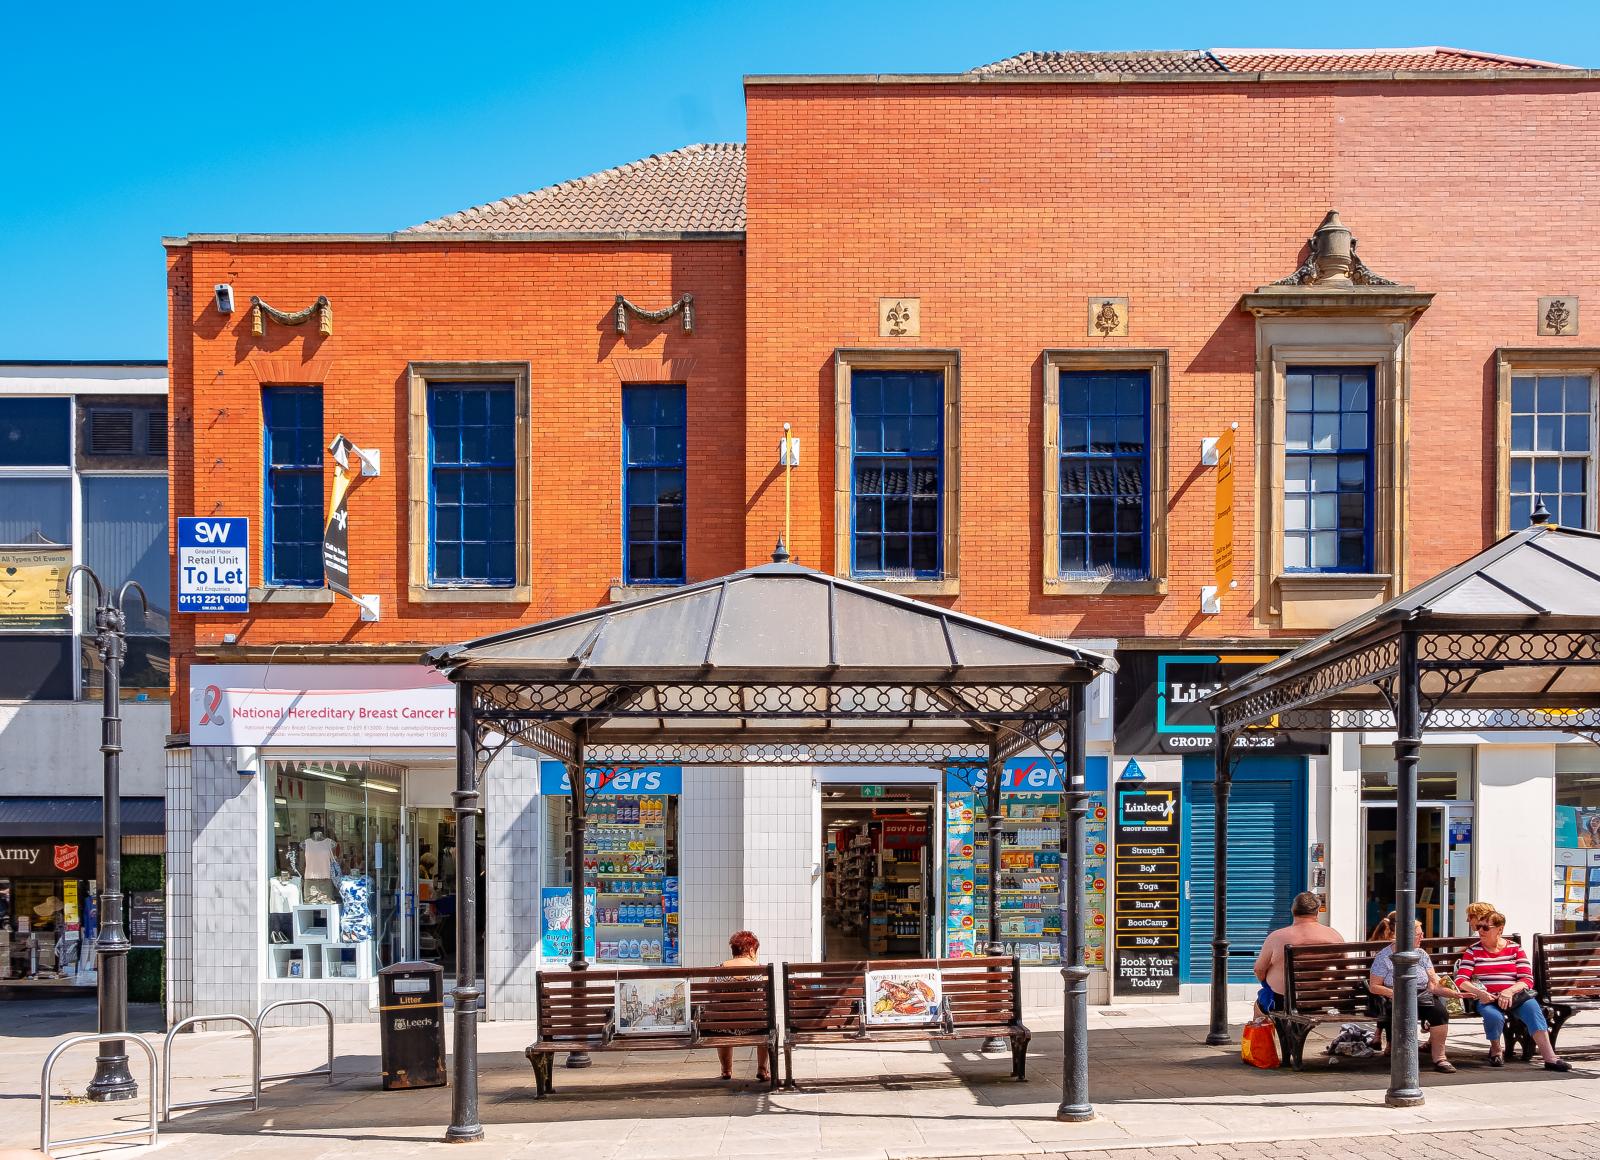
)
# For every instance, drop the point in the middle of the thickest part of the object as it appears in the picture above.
(77, 817)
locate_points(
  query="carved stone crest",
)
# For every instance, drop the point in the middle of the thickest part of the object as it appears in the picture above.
(899, 317)
(1331, 260)
(1558, 315)
(1108, 317)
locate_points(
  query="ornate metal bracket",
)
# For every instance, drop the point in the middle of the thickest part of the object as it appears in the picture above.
(683, 306)
(260, 311)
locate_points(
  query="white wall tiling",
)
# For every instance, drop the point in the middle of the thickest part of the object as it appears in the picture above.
(711, 856)
(511, 882)
(781, 855)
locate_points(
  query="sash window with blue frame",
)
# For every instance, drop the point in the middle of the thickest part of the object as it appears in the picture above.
(897, 473)
(472, 484)
(1327, 477)
(654, 435)
(1105, 475)
(1552, 420)
(292, 422)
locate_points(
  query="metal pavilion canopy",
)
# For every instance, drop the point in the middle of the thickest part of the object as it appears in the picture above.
(1507, 640)
(774, 665)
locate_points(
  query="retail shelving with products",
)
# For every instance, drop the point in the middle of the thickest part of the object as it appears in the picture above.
(1030, 877)
(857, 868)
(631, 861)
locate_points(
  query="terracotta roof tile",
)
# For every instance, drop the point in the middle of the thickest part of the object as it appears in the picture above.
(694, 189)
(1258, 60)
(1431, 59)
(1091, 63)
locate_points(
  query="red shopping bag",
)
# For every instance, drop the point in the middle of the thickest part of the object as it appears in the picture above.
(1258, 1046)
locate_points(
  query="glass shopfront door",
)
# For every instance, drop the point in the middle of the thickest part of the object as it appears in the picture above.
(1444, 864)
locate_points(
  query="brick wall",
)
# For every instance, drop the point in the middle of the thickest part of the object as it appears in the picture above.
(547, 304)
(1005, 207)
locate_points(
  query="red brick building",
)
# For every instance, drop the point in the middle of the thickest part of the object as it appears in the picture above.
(1002, 310)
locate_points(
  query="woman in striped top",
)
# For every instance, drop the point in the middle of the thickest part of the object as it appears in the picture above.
(1496, 973)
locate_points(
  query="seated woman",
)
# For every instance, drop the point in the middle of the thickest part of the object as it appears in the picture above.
(743, 946)
(1495, 972)
(1430, 993)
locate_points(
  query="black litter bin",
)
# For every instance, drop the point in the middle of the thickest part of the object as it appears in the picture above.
(411, 1025)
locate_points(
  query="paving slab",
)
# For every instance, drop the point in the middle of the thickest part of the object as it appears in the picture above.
(1159, 1091)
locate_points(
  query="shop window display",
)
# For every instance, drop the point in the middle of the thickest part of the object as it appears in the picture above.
(630, 865)
(1030, 902)
(333, 901)
(46, 910)
(1575, 894)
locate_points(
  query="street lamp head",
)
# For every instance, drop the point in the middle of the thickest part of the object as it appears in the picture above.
(99, 589)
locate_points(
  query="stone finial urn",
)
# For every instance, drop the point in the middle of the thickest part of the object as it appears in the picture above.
(1333, 249)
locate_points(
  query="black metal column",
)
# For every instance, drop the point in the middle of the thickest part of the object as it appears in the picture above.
(1405, 1087)
(993, 773)
(1075, 1105)
(464, 1124)
(112, 1080)
(578, 778)
(1222, 786)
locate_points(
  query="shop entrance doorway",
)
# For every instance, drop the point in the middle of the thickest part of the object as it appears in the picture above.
(1444, 865)
(878, 871)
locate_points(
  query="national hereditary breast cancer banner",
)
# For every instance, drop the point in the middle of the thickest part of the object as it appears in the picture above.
(250, 705)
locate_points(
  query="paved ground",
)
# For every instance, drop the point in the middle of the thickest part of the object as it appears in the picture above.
(1155, 1086)
(1574, 1141)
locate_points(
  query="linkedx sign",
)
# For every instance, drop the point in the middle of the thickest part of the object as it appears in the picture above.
(251, 705)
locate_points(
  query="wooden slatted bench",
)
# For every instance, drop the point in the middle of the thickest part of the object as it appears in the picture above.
(825, 1003)
(729, 1007)
(1323, 983)
(1566, 975)
(1327, 983)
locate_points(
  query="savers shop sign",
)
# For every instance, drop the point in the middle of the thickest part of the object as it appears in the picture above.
(252, 705)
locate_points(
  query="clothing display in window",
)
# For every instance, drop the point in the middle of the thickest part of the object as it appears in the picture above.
(355, 915)
(283, 894)
(318, 850)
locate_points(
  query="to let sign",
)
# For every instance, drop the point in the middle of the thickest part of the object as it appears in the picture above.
(213, 564)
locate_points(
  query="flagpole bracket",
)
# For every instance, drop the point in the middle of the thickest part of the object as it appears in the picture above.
(370, 609)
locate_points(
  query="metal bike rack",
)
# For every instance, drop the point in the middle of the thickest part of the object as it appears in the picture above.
(253, 1099)
(149, 1132)
(326, 1069)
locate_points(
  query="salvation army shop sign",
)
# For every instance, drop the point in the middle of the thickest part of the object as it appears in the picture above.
(252, 705)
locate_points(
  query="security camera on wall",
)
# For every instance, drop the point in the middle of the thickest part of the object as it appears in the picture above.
(224, 298)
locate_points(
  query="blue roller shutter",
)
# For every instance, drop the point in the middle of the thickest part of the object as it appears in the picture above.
(1266, 858)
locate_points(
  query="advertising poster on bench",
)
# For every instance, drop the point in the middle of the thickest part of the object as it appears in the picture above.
(1145, 924)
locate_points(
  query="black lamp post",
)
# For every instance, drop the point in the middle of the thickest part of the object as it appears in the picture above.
(112, 1080)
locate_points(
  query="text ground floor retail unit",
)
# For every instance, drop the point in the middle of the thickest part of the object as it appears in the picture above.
(298, 870)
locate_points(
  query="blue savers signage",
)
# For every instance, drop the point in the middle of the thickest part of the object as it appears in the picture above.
(612, 779)
(213, 564)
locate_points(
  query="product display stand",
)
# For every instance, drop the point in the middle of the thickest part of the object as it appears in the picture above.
(316, 951)
(1030, 875)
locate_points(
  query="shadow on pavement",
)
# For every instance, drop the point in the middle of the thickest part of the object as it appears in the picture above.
(1128, 1067)
(47, 1018)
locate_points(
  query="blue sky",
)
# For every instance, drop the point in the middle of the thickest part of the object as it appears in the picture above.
(127, 122)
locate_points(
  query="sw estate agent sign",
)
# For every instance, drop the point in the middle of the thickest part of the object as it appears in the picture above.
(213, 564)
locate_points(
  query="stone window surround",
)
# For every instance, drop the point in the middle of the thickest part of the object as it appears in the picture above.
(1292, 598)
(948, 361)
(1509, 361)
(418, 377)
(1154, 362)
